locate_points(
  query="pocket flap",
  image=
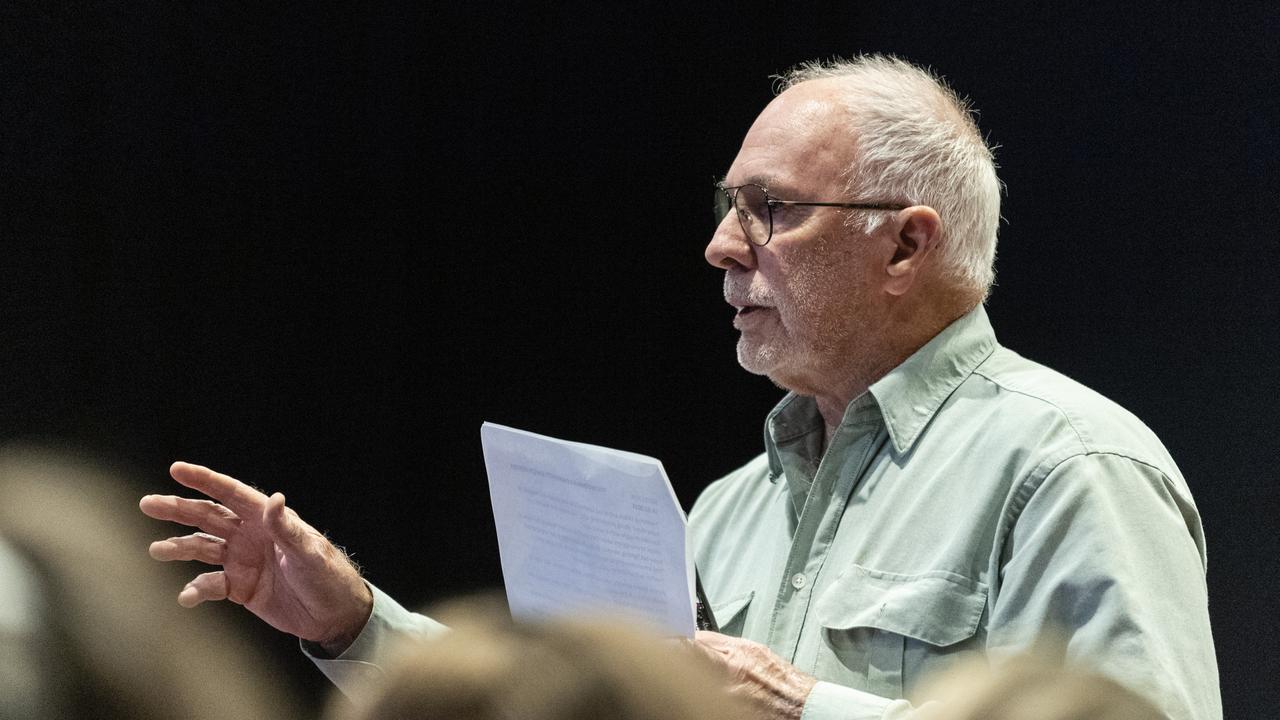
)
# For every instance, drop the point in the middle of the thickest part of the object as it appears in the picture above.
(730, 609)
(939, 608)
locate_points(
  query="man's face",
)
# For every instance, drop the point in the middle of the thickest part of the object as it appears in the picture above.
(803, 298)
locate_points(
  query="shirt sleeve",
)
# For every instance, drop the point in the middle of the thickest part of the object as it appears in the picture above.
(356, 671)
(1107, 551)
(829, 701)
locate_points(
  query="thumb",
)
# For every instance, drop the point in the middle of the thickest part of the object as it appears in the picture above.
(286, 528)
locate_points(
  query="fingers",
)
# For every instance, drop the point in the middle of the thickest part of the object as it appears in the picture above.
(286, 528)
(205, 587)
(242, 499)
(204, 514)
(717, 655)
(199, 546)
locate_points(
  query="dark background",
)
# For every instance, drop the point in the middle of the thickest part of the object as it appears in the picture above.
(315, 247)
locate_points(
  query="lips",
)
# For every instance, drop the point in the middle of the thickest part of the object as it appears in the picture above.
(749, 315)
(747, 304)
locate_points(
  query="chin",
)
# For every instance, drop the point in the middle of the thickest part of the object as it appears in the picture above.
(761, 359)
(782, 365)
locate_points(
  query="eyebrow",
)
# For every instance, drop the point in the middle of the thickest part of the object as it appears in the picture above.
(767, 181)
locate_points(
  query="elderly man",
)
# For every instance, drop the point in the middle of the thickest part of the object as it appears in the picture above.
(924, 495)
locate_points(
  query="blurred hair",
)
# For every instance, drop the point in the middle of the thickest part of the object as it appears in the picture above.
(487, 667)
(916, 141)
(1032, 687)
(109, 640)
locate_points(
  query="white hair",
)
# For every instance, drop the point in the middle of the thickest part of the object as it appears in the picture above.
(917, 142)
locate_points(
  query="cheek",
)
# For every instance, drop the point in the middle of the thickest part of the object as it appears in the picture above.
(816, 284)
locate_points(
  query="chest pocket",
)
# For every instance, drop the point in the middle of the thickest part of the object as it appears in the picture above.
(879, 628)
(731, 615)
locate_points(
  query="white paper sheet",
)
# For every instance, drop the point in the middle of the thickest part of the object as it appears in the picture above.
(587, 530)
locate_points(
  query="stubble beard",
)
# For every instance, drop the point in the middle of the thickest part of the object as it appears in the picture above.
(761, 354)
(812, 340)
(758, 358)
(801, 358)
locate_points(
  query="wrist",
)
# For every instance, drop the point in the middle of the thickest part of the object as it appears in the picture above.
(802, 685)
(347, 630)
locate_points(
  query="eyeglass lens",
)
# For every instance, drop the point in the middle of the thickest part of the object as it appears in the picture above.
(751, 205)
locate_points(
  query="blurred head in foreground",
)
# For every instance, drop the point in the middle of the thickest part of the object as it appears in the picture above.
(486, 668)
(87, 625)
(1032, 687)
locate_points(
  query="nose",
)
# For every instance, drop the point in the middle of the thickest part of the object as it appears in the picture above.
(729, 247)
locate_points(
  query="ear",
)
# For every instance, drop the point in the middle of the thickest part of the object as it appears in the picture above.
(918, 229)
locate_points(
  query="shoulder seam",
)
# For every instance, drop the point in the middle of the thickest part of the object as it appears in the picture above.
(1021, 492)
(1086, 445)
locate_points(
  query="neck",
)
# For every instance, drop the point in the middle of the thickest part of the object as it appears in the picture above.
(901, 335)
(832, 405)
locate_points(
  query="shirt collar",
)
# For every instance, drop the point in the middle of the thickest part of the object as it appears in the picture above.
(907, 397)
(910, 394)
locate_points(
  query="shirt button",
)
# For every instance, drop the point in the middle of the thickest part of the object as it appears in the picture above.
(798, 581)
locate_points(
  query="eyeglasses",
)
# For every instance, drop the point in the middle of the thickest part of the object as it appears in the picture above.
(755, 208)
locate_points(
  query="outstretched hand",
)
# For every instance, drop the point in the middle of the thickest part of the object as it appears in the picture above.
(279, 567)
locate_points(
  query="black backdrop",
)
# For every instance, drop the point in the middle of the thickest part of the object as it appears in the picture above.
(317, 247)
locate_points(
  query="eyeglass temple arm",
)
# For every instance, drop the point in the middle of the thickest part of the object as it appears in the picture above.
(854, 206)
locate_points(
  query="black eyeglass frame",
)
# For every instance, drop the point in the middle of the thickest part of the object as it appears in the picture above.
(729, 193)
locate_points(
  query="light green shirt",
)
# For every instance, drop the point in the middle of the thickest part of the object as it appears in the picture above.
(969, 501)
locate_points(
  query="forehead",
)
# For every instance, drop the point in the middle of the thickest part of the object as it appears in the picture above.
(802, 140)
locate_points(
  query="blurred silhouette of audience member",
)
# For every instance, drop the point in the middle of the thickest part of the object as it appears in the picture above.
(20, 602)
(86, 626)
(488, 667)
(1031, 687)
